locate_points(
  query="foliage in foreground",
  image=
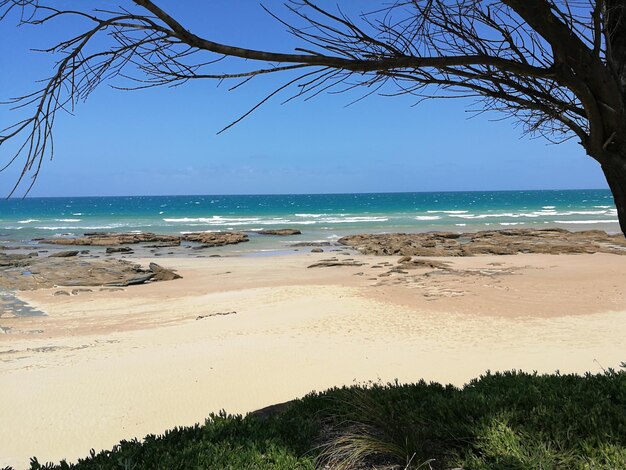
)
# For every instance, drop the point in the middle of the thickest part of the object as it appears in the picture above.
(500, 421)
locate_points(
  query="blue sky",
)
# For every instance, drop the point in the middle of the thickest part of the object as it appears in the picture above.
(164, 141)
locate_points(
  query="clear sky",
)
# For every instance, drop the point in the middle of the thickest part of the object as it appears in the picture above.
(164, 141)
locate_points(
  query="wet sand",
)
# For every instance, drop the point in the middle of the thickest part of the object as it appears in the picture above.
(241, 333)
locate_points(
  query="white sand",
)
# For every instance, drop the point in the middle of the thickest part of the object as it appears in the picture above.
(116, 365)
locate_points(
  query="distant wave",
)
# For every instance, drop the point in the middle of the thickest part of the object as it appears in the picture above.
(210, 220)
(94, 227)
(610, 221)
(67, 220)
(447, 212)
(427, 217)
(533, 215)
(346, 220)
(28, 221)
(223, 221)
(234, 221)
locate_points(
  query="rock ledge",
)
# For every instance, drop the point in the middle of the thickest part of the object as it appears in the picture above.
(490, 242)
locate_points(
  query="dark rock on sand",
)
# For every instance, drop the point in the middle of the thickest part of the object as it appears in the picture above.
(280, 231)
(133, 281)
(79, 291)
(305, 244)
(63, 254)
(164, 245)
(163, 274)
(490, 242)
(120, 249)
(421, 263)
(24, 273)
(334, 263)
(317, 250)
(14, 260)
(199, 247)
(217, 314)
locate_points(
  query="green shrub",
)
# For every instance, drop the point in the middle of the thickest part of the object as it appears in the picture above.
(507, 420)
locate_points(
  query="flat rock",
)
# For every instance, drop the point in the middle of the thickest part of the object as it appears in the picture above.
(421, 263)
(211, 239)
(112, 239)
(79, 291)
(119, 249)
(64, 254)
(141, 278)
(163, 274)
(305, 244)
(489, 242)
(164, 244)
(330, 264)
(25, 273)
(280, 231)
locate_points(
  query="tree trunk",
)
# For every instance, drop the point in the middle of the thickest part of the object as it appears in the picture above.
(615, 173)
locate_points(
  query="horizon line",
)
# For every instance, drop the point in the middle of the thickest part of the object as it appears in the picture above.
(310, 194)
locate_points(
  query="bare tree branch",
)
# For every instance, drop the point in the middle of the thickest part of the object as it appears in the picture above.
(553, 65)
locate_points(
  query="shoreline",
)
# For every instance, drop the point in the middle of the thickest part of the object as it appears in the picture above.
(320, 217)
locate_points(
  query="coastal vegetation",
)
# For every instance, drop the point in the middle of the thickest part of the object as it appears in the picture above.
(510, 420)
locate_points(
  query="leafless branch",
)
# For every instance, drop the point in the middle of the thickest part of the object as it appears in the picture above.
(531, 60)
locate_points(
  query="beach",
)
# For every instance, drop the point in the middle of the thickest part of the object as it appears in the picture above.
(239, 333)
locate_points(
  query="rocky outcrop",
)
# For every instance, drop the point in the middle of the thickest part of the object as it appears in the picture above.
(163, 274)
(491, 242)
(208, 239)
(25, 273)
(306, 244)
(64, 254)
(280, 231)
(330, 263)
(112, 239)
(421, 263)
(119, 249)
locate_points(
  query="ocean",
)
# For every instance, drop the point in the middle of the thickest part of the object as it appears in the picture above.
(321, 217)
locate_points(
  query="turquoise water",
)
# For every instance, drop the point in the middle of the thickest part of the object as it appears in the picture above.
(320, 217)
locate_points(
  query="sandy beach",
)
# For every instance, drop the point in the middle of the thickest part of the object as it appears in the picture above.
(243, 332)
